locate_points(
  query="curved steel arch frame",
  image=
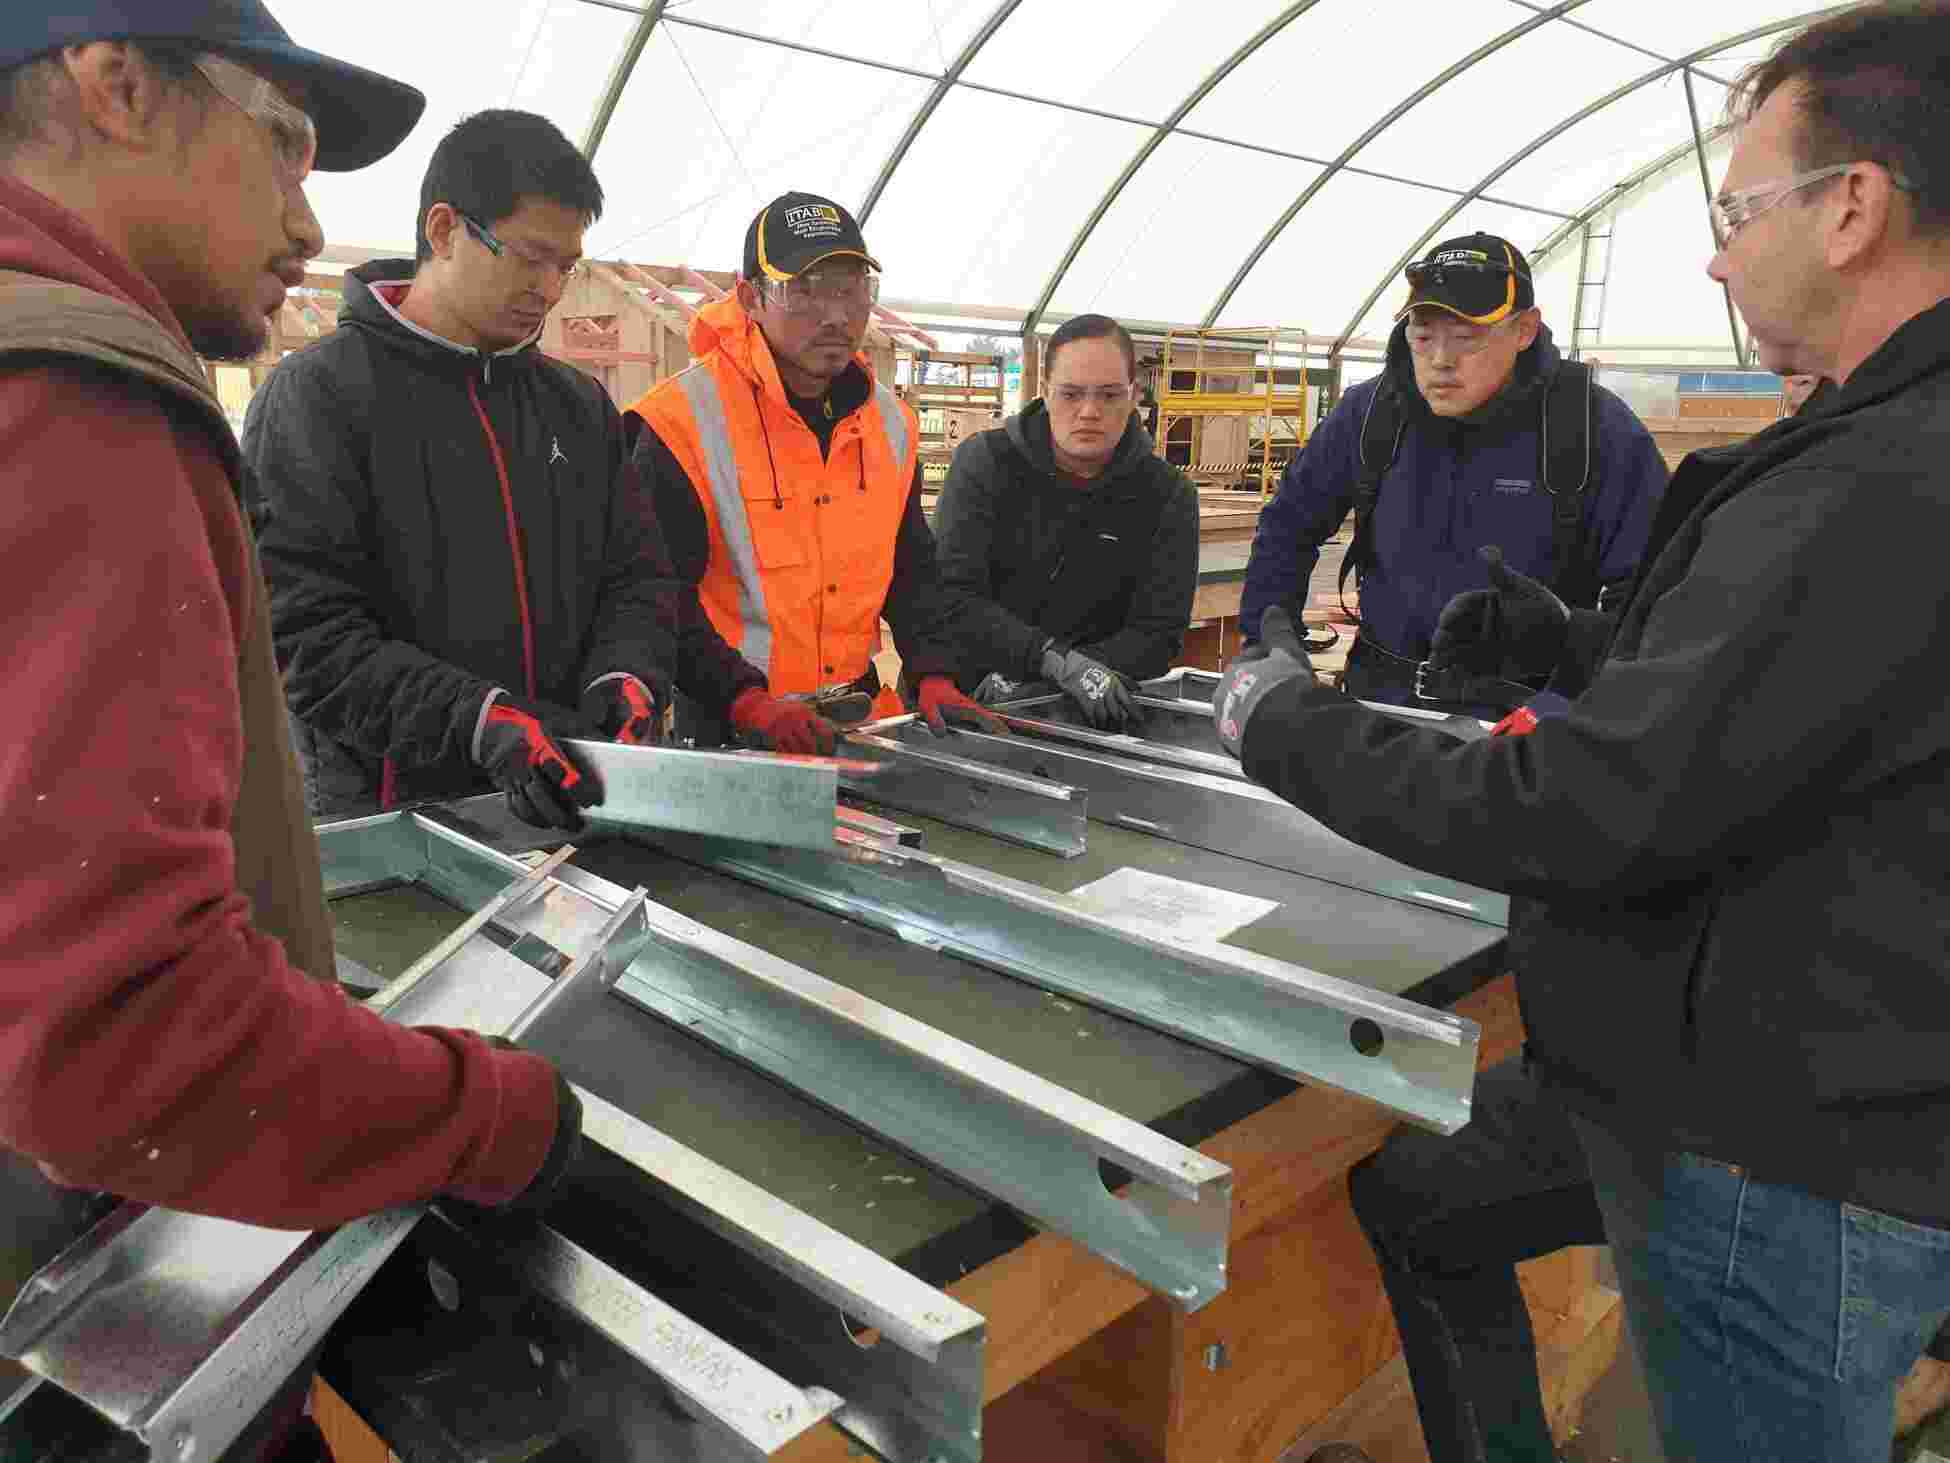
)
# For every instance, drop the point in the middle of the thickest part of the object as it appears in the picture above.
(1615, 195)
(1387, 119)
(941, 89)
(1151, 144)
(619, 76)
(1543, 139)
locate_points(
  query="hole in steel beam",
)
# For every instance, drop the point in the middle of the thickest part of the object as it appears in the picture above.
(1367, 1037)
(1113, 1178)
(863, 1336)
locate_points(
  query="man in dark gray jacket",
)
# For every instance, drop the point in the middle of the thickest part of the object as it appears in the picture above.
(1086, 539)
(1731, 943)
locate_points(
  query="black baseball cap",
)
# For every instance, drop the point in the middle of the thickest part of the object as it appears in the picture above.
(1478, 277)
(795, 231)
(360, 115)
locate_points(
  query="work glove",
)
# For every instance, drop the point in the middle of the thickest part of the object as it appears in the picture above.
(626, 709)
(519, 750)
(1272, 660)
(562, 1151)
(1516, 622)
(995, 688)
(1105, 696)
(773, 723)
(941, 702)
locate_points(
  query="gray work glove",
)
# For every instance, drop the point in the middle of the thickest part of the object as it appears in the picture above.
(1516, 622)
(1272, 660)
(996, 688)
(1105, 696)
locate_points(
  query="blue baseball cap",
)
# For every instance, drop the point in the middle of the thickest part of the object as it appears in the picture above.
(360, 115)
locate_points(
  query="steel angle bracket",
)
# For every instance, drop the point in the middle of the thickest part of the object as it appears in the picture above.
(763, 798)
(928, 778)
(1407, 1058)
(1001, 1130)
(1021, 716)
(1229, 816)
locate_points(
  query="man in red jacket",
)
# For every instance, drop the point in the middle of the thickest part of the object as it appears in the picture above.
(169, 1027)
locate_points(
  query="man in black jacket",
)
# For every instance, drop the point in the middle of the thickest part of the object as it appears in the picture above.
(464, 566)
(1731, 942)
(1067, 520)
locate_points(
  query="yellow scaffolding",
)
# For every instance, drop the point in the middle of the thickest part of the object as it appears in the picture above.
(1218, 351)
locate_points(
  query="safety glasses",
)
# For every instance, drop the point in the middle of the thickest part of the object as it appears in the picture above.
(534, 259)
(857, 290)
(1734, 211)
(294, 137)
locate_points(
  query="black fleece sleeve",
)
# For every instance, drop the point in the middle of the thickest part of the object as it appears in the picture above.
(937, 630)
(635, 626)
(1161, 607)
(964, 528)
(707, 669)
(344, 675)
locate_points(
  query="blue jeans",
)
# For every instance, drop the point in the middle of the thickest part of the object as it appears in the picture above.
(1771, 1324)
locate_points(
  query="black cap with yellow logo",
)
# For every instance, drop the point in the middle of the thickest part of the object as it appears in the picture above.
(795, 231)
(1479, 277)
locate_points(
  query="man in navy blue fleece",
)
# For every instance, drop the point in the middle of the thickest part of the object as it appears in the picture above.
(1455, 444)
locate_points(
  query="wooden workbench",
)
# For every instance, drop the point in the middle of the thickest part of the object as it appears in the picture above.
(1083, 1363)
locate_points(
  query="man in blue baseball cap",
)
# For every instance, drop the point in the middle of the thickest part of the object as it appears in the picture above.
(170, 1029)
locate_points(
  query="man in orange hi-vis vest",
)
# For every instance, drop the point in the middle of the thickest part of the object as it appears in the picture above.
(787, 480)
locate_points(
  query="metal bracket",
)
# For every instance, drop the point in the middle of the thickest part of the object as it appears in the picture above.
(767, 799)
(1224, 814)
(1034, 812)
(1414, 1061)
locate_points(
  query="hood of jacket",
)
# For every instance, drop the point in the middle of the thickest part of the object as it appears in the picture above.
(1536, 364)
(723, 327)
(373, 294)
(1029, 431)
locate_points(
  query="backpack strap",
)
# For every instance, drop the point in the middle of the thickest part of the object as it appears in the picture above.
(1565, 459)
(1381, 441)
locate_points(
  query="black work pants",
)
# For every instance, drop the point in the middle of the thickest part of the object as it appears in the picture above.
(1449, 1219)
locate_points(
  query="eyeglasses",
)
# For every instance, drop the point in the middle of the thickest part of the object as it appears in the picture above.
(1734, 211)
(809, 294)
(294, 137)
(1108, 397)
(1424, 340)
(524, 254)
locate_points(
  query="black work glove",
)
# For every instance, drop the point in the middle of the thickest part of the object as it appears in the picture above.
(1272, 660)
(1515, 622)
(625, 709)
(519, 750)
(1104, 695)
(522, 1209)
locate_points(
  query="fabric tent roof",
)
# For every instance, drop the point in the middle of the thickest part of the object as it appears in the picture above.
(1224, 161)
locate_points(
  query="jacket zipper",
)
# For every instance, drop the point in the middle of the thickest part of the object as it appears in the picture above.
(514, 538)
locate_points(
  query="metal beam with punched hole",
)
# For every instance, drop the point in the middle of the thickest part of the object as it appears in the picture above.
(750, 795)
(1227, 815)
(1411, 1060)
(924, 777)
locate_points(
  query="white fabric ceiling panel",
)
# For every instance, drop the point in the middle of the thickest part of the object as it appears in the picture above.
(1658, 292)
(1329, 75)
(1574, 169)
(546, 56)
(1179, 230)
(924, 34)
(991, 193)
(1677, 28)
(1504, 101)
(1142, 63)
(710, 128)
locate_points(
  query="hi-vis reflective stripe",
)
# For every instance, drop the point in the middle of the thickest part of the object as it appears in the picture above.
(895, 421)
(721, 462)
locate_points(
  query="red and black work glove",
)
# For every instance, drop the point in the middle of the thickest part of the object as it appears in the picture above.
(1272, 660)
(941, 701)
(1516, 622)
(519, 750)
(625, 709)
(776, 724)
